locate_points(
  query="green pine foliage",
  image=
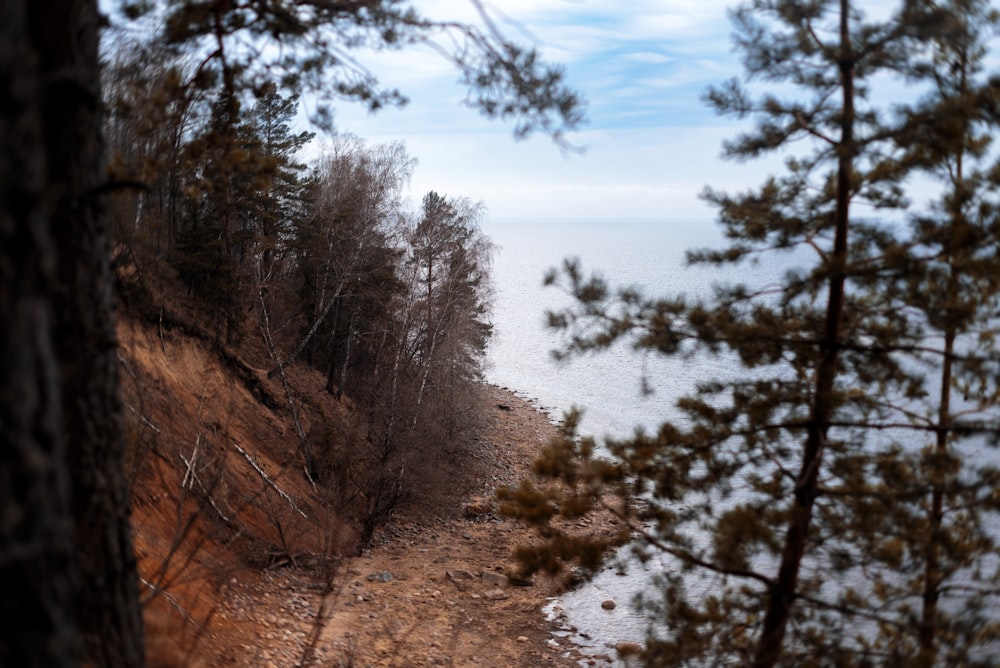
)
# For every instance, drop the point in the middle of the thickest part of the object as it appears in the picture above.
(832, 497)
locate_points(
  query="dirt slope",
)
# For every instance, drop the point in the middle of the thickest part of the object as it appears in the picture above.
(244, 563)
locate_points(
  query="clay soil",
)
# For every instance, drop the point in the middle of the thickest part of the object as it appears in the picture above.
(405, 602)
(216, 592)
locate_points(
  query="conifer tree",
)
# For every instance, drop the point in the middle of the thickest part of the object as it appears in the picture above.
(929, 507)
(783, 487)
(276, 198)
(315, 45)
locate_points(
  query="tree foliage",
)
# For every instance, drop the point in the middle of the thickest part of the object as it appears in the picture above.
(310, 46)
(833, 496)
(207, 187)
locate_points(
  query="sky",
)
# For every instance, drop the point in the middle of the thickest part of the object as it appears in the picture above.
(650, 144)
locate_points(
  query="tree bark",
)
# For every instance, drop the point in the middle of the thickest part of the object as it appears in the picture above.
(783, 592)
(67, 568)
(36, 529)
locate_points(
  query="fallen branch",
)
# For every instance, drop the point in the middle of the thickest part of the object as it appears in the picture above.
(171, 600)
(142, 419)
(267, 479)
(195, 479)
(197, 446)
(163, 342)
(190, 464)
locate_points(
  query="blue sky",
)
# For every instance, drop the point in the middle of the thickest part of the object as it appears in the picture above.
(651, 144)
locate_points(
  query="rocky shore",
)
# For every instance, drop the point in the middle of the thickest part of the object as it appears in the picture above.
(430, 592)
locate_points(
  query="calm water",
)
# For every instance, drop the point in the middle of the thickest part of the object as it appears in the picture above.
(607, 385)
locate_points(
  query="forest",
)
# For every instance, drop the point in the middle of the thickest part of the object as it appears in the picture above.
(154, 171)
(154, 180)
(325, 261)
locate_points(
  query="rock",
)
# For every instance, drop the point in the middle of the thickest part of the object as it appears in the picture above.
(521, 581)
(458, 574)
(384, 576)
(495, 595)
(477, 509)
(522, 638)
(609, 604)
(491, 579)
(626, 649)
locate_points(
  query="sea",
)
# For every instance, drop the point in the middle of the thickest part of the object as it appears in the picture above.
(647, 255)
(621, 390)
(612, 387)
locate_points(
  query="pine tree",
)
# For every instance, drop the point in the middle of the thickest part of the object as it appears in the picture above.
(274, 200)
(67, 566)
(316, 41)
(784, 488)
(930, 503)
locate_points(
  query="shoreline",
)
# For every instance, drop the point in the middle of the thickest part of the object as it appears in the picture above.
(430, 612)
(431, 591)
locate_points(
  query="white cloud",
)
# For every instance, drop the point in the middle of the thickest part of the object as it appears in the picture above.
(648, 57)
(624, 60)
(643, 65)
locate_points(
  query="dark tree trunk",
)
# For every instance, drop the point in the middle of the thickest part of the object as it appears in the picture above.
(66, 560)
(781, 597)
(36, 530)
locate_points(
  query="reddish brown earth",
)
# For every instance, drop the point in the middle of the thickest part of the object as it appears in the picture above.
(218, 590)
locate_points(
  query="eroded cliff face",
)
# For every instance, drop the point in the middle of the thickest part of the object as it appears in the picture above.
(244, 561)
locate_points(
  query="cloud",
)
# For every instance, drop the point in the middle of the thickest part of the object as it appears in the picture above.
(652, 143)
(648, 57)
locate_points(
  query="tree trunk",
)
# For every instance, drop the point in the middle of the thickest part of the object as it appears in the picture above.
(66, 561)
(781, 597)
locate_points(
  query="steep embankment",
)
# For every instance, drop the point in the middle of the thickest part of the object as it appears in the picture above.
(245, 562)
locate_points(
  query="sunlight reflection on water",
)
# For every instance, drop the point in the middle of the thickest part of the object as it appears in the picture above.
(607, 385)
